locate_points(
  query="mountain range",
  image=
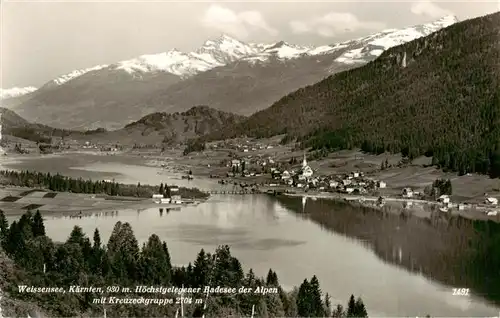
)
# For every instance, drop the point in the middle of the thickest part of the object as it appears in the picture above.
(155, 129)
(224, 73)
(438, 96)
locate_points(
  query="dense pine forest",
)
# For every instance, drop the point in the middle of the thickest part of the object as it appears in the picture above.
(57, 182)
(437, 96)
(40, 262)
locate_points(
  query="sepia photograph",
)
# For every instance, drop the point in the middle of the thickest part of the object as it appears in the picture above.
(249, 158)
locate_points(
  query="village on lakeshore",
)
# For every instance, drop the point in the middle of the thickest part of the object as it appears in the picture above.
(267, 166)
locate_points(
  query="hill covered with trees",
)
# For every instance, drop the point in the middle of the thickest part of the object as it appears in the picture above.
(438, 95)
(15, 125)
(169, 128)
(122, 263)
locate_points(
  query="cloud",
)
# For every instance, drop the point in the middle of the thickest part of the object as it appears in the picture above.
(428, 8)
(334, 22)
(239, 24)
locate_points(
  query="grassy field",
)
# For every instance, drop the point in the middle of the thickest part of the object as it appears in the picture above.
(16, 201)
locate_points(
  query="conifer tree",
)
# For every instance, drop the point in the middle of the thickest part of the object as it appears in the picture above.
(360, 310)
(351, 307)
(316, 301)
(38, 226)
(76, 236)
(97, 239)
(338, 312)
(4, 227)
(201, 269)
(304, 301)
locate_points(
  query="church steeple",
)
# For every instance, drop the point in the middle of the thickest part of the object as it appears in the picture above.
(304, 162)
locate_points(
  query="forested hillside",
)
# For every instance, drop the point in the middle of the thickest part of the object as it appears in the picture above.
(38, 262)
(15, 125)
(438, 95)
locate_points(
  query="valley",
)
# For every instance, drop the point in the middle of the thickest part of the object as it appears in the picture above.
(377, 159)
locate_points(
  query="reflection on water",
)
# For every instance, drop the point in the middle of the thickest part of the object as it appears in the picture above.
(449, 248)
(379, 256)
(264, 233)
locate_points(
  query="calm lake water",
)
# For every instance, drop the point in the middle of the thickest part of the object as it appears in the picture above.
(387, 260)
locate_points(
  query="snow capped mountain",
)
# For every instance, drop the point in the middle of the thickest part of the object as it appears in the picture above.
(67, 77)
(225, 49)
(367, 48)
(173, 61)
(16, 92)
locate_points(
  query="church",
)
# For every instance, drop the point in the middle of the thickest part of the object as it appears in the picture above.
(306, 171)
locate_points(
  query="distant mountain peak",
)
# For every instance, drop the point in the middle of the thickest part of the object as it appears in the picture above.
(15, 92)
(225, 49)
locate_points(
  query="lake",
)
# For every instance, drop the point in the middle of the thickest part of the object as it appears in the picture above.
(394, 263)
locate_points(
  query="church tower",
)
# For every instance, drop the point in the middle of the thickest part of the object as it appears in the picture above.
(304, 162)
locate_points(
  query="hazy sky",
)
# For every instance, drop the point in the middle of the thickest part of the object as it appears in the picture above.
(41, 40)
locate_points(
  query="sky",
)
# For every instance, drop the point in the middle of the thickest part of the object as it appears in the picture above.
(41, 40)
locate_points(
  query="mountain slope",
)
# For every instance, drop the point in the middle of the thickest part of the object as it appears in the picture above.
(158, 128)
(224, 73)
(15, 92)
(92, 97)
(437, 95)
(15, 125)
(267, 77)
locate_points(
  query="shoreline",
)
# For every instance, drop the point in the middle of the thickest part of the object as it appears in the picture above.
(368, 201)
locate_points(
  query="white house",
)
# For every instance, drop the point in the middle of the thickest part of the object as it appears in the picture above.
(444, 199)
(346, 182)
(355, 174)
(407, 192)
(165, 200)
(157, 196)
(349, 190)
(381, 184)
(174, 189)
(333, 184)
(492, 213)
(492, 201)
(235, 163)
(285, 175)
(176, 199)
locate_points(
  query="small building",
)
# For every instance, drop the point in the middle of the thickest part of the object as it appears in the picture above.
(176, 199)
(492, 201)
(165, 200)
(349, 190)
(355, 174)
(491, 213)
(285, 175)
(333, 184)
(174, 189)
(235, 163)
(381, 184)
(461, 206)
(346, 182)
(444, 199)
(407, 193)
(157, 196)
